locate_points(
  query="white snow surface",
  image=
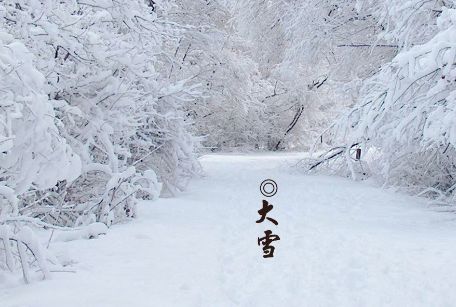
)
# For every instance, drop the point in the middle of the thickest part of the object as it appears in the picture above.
(343, 243)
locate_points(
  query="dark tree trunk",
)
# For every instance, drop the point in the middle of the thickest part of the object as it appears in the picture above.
(292, 125)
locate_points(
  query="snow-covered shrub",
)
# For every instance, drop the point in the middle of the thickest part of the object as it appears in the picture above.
(33, 156)
(316, 55)
(407, 114)
(230, 112)
(405, 23)
(102, 62)
(90, 123)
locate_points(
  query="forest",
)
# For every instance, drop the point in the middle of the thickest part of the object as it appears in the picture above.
(106, 105)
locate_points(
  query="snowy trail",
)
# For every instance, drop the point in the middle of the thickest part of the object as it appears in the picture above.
(342, 244)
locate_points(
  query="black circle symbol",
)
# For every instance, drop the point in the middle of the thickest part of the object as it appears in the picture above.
(268, 188)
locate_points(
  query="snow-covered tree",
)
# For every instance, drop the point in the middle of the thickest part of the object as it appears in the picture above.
(230, 112)
(405, 116)
(317, 53)
(402, 119)
(102, 63)
(90, 123)
(33, 156)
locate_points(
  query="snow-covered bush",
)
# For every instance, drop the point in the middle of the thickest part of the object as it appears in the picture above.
(230, 113)
(33, 156)
(101, 61)
(407, 113)
(316, 55)
(405, 23)
(90, 123)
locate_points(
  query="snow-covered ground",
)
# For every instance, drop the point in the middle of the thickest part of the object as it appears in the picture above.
(343, 243)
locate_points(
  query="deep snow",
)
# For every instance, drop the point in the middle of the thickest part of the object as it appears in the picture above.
(343, 243)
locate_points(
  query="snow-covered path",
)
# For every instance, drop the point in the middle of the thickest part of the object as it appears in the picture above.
(342, 244)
